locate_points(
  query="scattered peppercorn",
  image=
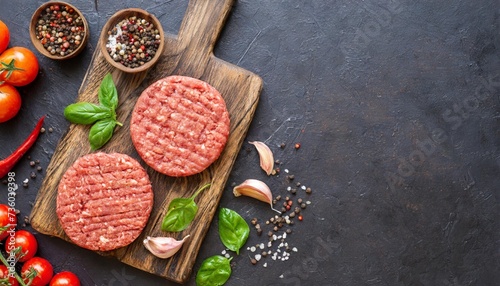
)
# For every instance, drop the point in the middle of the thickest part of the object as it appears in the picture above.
(253, 261)
(302, 206)
(32, 163)
(300, 217)
(254, 221)
(60, 29)
(308, 190)
(133, 42)
(32, 175)
(39, 168)
(297, 145)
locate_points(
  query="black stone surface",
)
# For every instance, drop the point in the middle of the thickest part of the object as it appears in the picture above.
(395, 105)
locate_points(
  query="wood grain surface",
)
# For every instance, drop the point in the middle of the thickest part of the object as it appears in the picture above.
(189, 53)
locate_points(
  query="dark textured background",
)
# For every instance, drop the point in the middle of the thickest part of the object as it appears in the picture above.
(395, 104)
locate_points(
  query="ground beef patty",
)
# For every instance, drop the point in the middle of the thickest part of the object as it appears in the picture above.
(179, 125)
(104, 201)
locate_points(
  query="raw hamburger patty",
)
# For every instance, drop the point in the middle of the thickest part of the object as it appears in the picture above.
(179, 125)
(104, 201)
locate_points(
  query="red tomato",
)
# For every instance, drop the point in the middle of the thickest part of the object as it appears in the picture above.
(8, 220)
(18, 66)
(65, 278)
(10, 102)
(27, 243)
(43, 269)
(4, 36)
(4, 273)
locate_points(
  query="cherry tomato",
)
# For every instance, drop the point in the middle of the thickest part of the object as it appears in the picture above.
(65, 278)
(5, 276)
(18, 66)
(4, 36)
(27, 243)
(8, 220)
(10, 102)
(43, 268)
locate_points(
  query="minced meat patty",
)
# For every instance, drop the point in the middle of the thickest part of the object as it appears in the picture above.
(104, 201)
(180, 125)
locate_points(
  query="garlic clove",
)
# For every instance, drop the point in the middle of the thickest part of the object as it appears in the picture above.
(265, 155)
(255, 189)
(163, 247)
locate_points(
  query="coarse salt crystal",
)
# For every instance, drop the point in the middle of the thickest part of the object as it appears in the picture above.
(223, 252)
(258, 257)
(295, 249)
(286, 171)
(289, 188)
(281, 276)
(284, 235)
(261, 246)
(308, 202)
(269, 244)
(286, 258)
(252, 249)
(227, 255)
(264, 265)
(303, 187)
(274, 237)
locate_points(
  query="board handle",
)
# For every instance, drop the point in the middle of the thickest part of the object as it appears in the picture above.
(203, 23)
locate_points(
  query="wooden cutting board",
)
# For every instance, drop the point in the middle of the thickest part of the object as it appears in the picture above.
(189, 53)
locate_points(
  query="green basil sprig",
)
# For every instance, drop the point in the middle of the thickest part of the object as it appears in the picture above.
(102, 116)
(181, 212)
(214, 270)
(233, 229)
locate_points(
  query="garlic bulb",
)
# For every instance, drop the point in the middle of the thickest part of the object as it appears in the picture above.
(163, 247)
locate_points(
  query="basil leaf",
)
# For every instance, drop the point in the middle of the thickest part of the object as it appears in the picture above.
(181, 212)
(214, 270)
(101, 132)
(233, 229)
(108, 95)
(86, 113)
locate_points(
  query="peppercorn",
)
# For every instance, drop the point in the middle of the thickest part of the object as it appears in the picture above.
(254, 221)
(278, 198)
(297, 145)
(302, 206)
(297, 210)
(259, 232)
(253, 261)
(308, 190)
(270, 233)
(293, 191)
(299, 200)
(288, 230)
(300, 218)
(292, 215)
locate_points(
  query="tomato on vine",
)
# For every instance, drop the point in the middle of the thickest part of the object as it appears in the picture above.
(4, 36)
(24, 247)
(6, 278)
(65, 278)
(37, 270)
(8, 219)
(18, 66)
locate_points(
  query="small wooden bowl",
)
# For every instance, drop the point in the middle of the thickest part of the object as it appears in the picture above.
(37, 42)
(113, 21)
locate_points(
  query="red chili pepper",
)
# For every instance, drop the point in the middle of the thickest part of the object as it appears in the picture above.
(8, 163)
